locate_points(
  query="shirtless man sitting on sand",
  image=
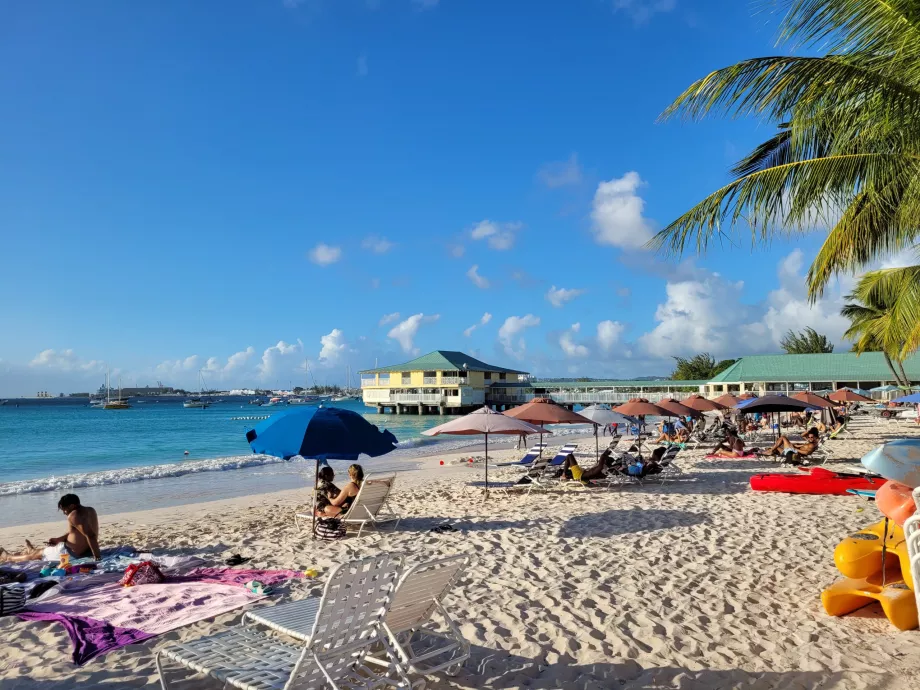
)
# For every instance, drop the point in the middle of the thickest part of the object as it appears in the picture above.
(81, 540)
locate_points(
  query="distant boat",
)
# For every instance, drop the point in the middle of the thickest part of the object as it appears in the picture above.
(256, 401)
(198, 402)
(274, 402)
(119, 403)
(3, 402)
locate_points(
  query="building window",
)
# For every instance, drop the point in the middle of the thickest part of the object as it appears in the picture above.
(406, 378)
(502, 377)
(821, 386)
(384, 379)
(430, 374)
(487, 376)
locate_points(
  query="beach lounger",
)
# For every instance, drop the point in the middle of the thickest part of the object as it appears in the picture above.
(528, 459)
(369, 507)
(422, 649)
(912, 536)
(563, 453)
(343, 625)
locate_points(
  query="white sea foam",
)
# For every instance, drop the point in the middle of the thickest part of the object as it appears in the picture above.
(127, 475)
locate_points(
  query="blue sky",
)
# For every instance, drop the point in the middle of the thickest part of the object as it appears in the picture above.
(241, 186)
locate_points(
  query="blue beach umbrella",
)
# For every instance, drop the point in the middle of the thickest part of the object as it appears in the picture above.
(912, 398)
(327, 433)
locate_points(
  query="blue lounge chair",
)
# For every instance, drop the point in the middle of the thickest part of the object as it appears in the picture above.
(528, 459)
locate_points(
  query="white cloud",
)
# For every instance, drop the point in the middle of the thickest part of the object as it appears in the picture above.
(482, 322)
(478, 280)
(334, 346)
(559, 296)
(378, 245)
(643, 10)
(706, 314)
(323, 254)
(568, 344)
(404, 332)
(456, 250)
(362, 65)
(499, 236)
(65, 360)
(510, 331)
(173, 368)
(608, 334)
(279, 358)
(617, 213)
(388, 318)
(561, 173)
(234, 363)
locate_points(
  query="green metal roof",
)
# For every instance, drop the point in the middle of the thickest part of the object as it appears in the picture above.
(660, 383)
(441, 360)
(838, 366)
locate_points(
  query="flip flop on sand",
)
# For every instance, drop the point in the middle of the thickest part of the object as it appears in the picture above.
(236, 559)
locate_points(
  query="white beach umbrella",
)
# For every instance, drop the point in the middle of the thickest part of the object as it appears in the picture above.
(599, 415)
(484, 421)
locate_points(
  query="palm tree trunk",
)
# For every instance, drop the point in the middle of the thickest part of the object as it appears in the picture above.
(894, 372)
(904, 373)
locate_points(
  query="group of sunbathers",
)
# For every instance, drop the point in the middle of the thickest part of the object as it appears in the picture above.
(332, 501)
(628, 464)
(675, 432)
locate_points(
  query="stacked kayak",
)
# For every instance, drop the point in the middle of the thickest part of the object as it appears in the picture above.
(816, 480)
(876, 567)
(876, 562)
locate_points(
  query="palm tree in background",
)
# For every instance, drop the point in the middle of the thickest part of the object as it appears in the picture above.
(807, 342)
(845, 156)
(881, 318)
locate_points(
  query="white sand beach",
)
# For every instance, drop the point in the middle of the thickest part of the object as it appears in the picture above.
(693, 583)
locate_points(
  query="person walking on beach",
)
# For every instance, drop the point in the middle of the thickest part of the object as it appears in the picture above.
(80, 541)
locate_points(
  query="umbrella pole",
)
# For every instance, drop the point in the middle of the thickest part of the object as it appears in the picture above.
(487, 465)
(597, 448)
(315, 486)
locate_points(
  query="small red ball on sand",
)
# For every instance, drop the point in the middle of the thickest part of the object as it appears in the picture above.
(442, 462)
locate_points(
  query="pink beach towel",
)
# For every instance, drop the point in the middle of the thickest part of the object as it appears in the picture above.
(100, 619)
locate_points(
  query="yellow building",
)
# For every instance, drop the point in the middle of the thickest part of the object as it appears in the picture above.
(441, 382)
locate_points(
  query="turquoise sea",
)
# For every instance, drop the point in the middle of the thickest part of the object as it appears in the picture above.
(135, 459)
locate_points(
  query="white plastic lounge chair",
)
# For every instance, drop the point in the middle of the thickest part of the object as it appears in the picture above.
(528, 459)
(346, 623)
(417, 597)
(369, 506)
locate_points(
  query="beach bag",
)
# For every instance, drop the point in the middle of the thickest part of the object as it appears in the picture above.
(144, 573)
(12, 599)
(329, 529)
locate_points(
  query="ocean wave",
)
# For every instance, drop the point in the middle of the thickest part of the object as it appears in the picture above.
(127, 475)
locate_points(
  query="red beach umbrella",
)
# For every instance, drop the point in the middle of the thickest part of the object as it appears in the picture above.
(698, 402)
(846, 395)
(679, 409)
(641, 406)
(813, 400)
(728, 400)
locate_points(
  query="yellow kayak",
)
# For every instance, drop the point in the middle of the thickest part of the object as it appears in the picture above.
(859, 556)
(897, 600)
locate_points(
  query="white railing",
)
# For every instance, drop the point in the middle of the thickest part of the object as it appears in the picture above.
(377, 396)
(424, 398)
(450, 380)
(586, 397)
(368, 382)
(430, 380)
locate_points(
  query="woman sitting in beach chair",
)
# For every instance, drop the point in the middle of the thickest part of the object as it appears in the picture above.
(572, 470)
(732, 447)
(331, 502)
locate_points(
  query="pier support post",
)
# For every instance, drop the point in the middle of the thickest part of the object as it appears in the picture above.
(380, 409)
(441, 410)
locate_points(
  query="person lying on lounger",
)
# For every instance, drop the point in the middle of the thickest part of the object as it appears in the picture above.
(331, 506)
(797, 451)
(81, 540)
(732, 447)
